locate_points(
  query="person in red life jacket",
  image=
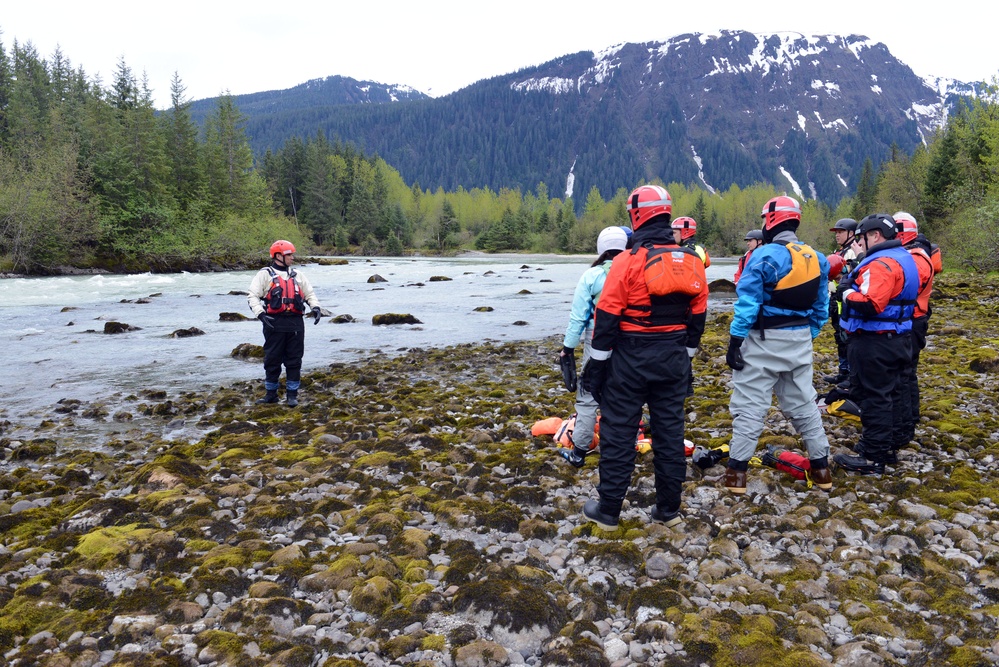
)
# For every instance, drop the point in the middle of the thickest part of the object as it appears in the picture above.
(781, 306)
(684, 231)
(877, 315)
(279, 296)
(753, 239)
(610, 242)
(920, 249)
(648, 325)
(844, 231)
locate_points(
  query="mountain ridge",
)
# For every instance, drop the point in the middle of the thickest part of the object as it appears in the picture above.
(732, 107)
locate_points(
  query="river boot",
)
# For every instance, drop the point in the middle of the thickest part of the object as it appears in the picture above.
(292, 398)
(270, 397)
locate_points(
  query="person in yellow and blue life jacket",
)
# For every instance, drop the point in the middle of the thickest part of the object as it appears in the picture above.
(921, 250)
(753, 239)
(610, 242)
(684, 230)
(877, 316)
(782, 303)
(843, 230)
(279, 297)
(648, 325)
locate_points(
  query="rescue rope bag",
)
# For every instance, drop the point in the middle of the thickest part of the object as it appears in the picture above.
(285, 295)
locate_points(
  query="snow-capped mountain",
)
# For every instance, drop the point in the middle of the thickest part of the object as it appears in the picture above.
(802, 112)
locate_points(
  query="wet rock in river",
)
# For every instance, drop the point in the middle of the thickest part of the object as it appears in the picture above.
(394, 318)
(247, 351)
(721, 286)
(375, 278)
(119, 327)
(187, 333)
(232, 317)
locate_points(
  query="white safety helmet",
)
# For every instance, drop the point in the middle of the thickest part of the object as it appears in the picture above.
(611, 238)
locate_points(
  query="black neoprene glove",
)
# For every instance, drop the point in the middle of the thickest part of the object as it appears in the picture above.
(595, 377)
(567, 361)
(316, 313)
(734, 355)
(268, 320)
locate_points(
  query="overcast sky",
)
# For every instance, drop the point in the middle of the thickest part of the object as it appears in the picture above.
(438, 46)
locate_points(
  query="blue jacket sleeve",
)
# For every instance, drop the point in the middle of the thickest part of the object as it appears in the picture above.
(588, 289)
(751, 292)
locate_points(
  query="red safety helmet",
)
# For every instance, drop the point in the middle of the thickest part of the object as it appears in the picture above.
(907, 227)
(780, 209)
(281, 247)
(687, 227)
(646, 202)
(836, 264)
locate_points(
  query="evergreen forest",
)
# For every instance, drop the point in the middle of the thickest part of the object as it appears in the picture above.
(93, 177)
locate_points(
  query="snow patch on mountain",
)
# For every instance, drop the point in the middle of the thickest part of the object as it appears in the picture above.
(794, 183)
(700, 170)
(550, 84)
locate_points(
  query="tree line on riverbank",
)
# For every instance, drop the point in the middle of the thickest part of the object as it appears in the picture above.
(93, 176)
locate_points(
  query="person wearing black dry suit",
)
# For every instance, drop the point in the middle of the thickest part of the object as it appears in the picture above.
(649, 323)
(278, 297)
(877, 315)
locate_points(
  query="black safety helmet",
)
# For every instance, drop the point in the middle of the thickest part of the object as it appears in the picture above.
(753, 235)
(844, 224)
(881, 222)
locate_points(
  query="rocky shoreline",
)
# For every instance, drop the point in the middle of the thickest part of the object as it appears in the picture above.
(404, 515)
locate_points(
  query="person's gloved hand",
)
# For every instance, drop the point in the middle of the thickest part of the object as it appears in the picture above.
(734, 355)
(567, 361)
(316, 313)
(691, 351)
(268, 320)
(594, 377)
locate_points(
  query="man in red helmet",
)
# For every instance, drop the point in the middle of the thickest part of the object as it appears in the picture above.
(684, 231)
(278, 297)
(921, 250)
(782, 303)
(648, 325)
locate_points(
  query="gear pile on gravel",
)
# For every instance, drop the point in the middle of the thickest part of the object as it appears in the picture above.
(402, 514)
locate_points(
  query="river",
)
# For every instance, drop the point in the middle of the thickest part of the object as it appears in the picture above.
(52, 328)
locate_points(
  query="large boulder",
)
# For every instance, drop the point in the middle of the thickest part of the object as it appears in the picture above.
(376, 279)
(187, 333)
(721, 286)
(119, 327)
(247, 351)
(394, 318)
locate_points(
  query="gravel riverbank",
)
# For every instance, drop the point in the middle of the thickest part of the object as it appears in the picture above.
(404, 515)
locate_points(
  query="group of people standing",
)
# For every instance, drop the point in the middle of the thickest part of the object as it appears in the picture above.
(640, 312)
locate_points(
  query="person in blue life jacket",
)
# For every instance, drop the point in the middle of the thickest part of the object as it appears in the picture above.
(610, 242)
(279, 297)
(781, 306)
(878, 306)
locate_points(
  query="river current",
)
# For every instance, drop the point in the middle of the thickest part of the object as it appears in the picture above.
(51, 329)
